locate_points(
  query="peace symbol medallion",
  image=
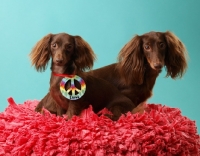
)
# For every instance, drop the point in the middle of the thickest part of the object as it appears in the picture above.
(73, 92)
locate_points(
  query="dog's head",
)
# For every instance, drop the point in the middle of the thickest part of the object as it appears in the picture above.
(62, 48)
(155, 49)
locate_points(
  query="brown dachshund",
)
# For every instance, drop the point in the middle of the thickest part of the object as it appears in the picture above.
(71, 55)
(140, 62)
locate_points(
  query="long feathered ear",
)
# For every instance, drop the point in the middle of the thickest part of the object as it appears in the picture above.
(176, 57)
(40, 54)
(131, 61)
(84, 55)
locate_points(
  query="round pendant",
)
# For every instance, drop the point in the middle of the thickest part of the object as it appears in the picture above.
(73, 93)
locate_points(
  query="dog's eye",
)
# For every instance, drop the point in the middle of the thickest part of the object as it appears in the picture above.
(54, 45)
(69, 46)
(147, 47)
(162, 45)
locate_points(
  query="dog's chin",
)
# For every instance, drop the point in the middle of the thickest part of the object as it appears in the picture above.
(157, 70)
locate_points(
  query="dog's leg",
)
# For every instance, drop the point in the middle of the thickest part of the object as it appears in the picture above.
(41, 104)
(75, 108)
(140, 108)
(60, 110)
(71, 111)
(116, 112)
(58, 97)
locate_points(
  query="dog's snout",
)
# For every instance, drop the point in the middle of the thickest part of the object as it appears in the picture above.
(59, 60)
(158, 66)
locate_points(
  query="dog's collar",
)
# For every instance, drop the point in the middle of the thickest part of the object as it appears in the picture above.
(63, 75)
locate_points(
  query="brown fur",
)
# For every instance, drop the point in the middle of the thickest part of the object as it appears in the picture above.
(141, 61)
(72, 55)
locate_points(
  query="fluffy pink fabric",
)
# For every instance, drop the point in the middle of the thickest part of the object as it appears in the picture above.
(161, 131)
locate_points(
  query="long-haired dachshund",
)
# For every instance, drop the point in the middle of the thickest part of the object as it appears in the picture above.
(71, 55)
(140, 61)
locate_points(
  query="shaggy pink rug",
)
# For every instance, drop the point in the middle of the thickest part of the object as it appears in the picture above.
(160, 131)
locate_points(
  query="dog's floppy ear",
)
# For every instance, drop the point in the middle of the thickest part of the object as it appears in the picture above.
(84, 55)
(131, 61)
(40, 54)
(176, 57)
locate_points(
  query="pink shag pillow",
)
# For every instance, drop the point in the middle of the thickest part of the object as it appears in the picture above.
(161, 131)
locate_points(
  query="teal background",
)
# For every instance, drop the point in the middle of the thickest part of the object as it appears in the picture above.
(107, 25)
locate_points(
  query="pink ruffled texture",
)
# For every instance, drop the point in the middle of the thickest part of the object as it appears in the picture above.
(161, 131)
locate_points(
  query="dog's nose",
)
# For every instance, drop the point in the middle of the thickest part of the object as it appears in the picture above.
(158, 66)
(59, 61)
